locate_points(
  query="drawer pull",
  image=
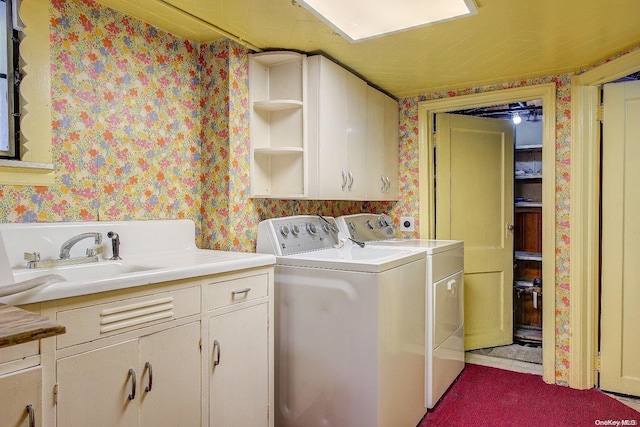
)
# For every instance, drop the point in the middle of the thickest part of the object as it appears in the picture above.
(132, 373)
(216, 346)
(240, 291)
(32, 415)
(149, 368)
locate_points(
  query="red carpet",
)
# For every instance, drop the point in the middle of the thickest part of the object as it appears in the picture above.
(484, 396)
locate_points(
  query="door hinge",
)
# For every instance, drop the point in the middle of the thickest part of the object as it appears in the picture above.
(600, 113)
(597, 362)
(200, 345)
(55, 394)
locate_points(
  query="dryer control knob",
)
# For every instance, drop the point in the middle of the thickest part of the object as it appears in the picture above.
(369, 225)
(295, 230)
(311, 228)
(284, 230)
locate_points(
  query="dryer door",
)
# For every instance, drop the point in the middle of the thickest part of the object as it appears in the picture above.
(447, 307)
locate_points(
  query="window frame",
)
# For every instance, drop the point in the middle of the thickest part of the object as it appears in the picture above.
(13, 78)
(35, 166)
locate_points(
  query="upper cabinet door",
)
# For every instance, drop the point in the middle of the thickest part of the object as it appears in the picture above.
(382, 146)
(328, 134)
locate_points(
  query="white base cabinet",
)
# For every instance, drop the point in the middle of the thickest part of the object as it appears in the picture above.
(150, 381)
(145, 357)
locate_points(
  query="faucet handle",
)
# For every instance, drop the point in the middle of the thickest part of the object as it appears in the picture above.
(95, 251)
(32, 256)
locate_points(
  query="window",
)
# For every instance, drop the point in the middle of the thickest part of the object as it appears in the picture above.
(33, 164)
(9, 81)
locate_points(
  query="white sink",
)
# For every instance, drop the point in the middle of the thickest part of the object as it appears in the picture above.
(83, 272)
(152, 251)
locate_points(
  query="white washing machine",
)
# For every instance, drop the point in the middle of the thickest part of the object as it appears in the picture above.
(444, 296)
(350, 343)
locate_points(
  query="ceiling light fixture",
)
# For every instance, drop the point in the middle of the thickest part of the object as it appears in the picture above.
(516, 118)
(359, 20)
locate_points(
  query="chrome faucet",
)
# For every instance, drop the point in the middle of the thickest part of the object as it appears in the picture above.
(34, 261)
(66, 246)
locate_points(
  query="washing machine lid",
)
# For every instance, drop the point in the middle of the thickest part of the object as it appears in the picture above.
(351, 257)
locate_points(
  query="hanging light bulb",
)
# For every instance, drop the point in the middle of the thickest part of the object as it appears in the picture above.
(516, 118)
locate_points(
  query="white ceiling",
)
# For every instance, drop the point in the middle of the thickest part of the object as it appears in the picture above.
(506, 41)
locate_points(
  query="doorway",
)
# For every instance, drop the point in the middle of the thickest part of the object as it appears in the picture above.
(545, 92)
(585, 215)
(524, 294)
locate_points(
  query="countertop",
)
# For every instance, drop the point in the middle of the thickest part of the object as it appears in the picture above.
(18, 326)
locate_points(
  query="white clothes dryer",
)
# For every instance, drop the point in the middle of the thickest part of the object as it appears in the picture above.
(444, 291)
(349, 331)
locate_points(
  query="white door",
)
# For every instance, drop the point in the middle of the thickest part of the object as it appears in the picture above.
(620, 294)
(474, 203)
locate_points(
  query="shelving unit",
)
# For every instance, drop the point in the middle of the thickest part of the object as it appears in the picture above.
(277, 95)
(527, 286)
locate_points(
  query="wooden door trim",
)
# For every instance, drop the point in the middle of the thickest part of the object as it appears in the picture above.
(585, 215)
(546, 92)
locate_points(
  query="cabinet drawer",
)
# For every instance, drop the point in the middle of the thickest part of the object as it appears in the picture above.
(235, 291)
(104, 320)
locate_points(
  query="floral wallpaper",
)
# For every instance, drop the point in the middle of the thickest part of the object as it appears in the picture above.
(146, 125)
(125, 122)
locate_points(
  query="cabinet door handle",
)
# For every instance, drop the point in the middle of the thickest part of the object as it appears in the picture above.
(384, 183)
(216, 346)
(32, 415)
(350, 180)
(388, 181)
(344, 179)
(149, 368)
(241, 291)
(132, 373)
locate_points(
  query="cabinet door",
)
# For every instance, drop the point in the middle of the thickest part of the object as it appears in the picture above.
(239, 367)
(170, 380)
(332, 125)
(18, 390)
(94, 387)
(356, 138)
(390, 166)
(382, 146)
(170, 377)
(376, 183)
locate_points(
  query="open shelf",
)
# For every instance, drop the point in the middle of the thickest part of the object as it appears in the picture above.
(528, 256)
(277, 130)
(277, 105)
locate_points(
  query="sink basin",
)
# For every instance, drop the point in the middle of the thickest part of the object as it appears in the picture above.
(83, 272)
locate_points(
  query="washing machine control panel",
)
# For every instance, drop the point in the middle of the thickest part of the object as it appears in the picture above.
(367, 227)
(295, 234)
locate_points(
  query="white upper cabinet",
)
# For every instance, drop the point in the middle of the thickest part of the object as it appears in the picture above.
(319, 132)
(277, 85)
